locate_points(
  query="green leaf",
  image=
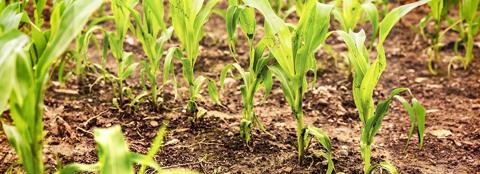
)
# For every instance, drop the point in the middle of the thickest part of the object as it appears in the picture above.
(394, 16)
(324, 140)
(321, 136)
(157, 9)
(12, 44)
(277, 36)
(436, 7)
(247, 20)
(411, 113)
(113, 152)
(75, 15)
(129, 66)
(10, 18)
(213, 92)
(168, 67)
(226, 69)
(384, 165)
(156, 145)
(231, 19)
(420, 112)
(374, 123)
(373, 16)
(268, 84)
(284, 83)
(197, 84)
(17, 139)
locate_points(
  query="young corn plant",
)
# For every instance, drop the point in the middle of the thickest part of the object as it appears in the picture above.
(469, 15)
(188, 18)
(28, 76)
(366, 75)
(151, 31)
(124, 60)
(439, 13)
(294, 54)
(257, 74)
(115, 157)
(80, 53)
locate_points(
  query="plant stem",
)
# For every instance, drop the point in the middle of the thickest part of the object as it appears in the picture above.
(435, 38)
(436, 41)
(469, 49)
(37, 133)
(247, 112)
(365, 150)
(154, 95)
(191, 106)
(245, 130)
(300, 132)
(120, 91)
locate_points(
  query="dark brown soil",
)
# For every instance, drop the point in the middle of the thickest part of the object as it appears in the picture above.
(214, 145)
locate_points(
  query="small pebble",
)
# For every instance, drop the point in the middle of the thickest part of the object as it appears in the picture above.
(323, 101)
(476, 106)
(458, 143)
(154, 123)
(172, 142)
(343, 152)
(288, 169)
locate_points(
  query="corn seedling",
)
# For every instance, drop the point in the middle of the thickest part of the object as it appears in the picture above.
(151, 31)
(188, 18)
(257, 74)
(294, 54)
(115, 157)
(366, 77)
(439, 13)
(470, 26)
(28, 78)
(124, 60)
(83, 41)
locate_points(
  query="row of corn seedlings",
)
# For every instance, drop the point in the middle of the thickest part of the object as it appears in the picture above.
(149, 28)
(366, 76)
(293, 48)
(26, 62)
(257, 74)
(294, 51)
(291, 56)
(188, 19)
